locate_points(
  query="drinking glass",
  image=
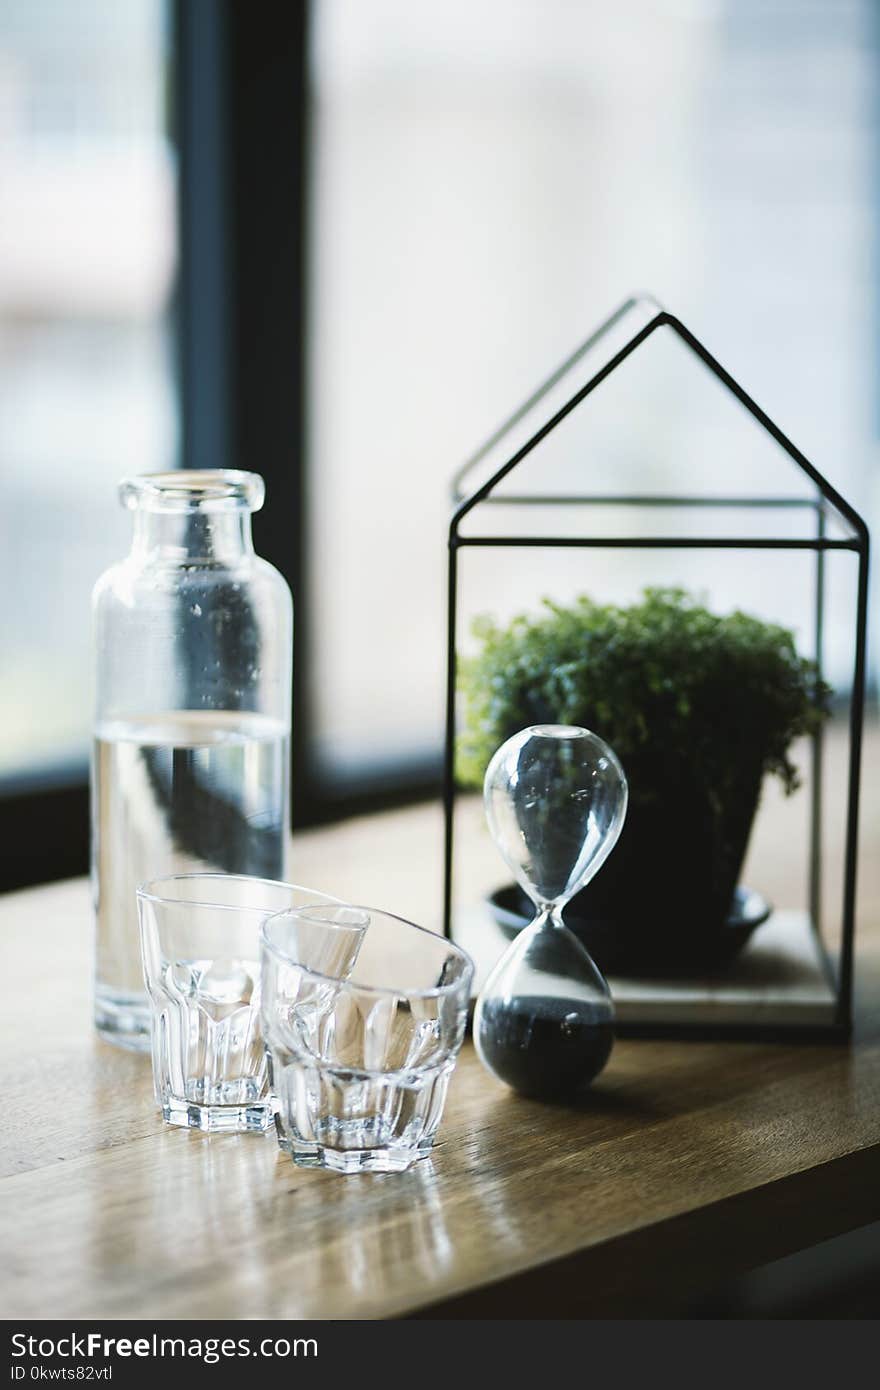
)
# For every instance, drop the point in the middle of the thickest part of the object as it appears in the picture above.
(200, 936)
(360, 1058)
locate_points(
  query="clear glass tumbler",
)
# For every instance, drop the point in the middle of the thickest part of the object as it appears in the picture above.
(200, 939)
(360, 1059)
(190, 771)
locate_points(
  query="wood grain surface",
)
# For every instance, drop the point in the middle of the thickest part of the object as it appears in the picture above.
(690, 1161)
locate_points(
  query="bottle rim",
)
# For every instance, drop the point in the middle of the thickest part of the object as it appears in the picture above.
(193, 489)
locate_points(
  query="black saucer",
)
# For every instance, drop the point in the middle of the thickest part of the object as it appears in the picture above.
(512, 911)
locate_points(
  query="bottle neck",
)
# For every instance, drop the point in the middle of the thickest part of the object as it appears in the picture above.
(192, 537)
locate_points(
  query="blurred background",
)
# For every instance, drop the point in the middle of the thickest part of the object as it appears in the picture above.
(338, 243)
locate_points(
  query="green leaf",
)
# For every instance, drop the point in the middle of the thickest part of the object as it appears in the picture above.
(678, 691)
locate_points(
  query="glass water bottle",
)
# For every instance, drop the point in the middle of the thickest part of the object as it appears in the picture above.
(190, 769)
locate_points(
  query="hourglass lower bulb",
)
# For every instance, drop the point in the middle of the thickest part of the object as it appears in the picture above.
(555, 798)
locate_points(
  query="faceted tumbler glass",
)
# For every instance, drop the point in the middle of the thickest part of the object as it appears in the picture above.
(360, 1059)
(200, 936)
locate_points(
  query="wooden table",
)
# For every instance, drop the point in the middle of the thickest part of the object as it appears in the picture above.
(689, 1163)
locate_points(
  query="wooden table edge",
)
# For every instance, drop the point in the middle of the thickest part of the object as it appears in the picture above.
(698, 1250)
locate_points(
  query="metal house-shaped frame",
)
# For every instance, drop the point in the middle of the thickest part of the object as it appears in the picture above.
(836, 527)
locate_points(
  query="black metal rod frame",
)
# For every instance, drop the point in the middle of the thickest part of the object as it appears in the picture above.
(826, 497)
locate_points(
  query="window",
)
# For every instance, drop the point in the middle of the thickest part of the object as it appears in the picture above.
(483, 183)
(488, 182)
(87, 264)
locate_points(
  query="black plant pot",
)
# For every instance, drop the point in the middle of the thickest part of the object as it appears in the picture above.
(666, 901)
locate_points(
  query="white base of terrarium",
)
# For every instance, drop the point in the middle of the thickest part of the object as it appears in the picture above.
(780, 979)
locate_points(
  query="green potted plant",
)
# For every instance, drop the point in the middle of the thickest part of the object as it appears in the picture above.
(699, 708)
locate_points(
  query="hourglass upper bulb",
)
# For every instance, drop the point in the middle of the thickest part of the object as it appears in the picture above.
(555, 798)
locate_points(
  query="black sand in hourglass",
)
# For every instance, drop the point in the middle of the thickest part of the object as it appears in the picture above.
(543, 1047)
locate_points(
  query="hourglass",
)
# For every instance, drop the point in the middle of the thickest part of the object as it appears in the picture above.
(555, 798)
